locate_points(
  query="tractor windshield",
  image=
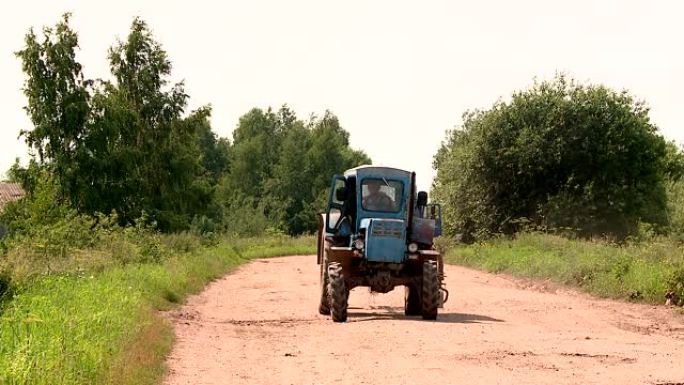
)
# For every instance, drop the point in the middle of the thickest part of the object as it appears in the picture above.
(381, 195)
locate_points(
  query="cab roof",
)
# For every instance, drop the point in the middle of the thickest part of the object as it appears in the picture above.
(368, 169)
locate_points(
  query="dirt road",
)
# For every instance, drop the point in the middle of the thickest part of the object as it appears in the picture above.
(260, 325)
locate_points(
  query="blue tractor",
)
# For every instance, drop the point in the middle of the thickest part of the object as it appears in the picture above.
(378, 232)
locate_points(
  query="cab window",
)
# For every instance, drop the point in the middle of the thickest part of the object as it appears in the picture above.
(381, 195)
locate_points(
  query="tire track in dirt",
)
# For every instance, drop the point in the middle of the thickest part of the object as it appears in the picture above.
(260, 325)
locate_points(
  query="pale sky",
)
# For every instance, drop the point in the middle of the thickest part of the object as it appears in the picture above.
(398, 74)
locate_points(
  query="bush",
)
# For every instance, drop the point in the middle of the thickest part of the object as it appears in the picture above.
(560, 155)
(246, 219)
(47, 238)
(675, 282)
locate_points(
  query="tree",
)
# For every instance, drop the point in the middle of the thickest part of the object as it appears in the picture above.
(289, 189)
(674, 162)
(128, 145)
(58, 100)
(256, 142)
(674, 187)
(215, 151)
(559, 155)
(280, 168)
(143, 155)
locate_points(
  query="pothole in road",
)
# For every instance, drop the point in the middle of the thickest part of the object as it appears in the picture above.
(286, 321)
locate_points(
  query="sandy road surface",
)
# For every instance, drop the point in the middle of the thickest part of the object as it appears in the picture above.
(260, 325)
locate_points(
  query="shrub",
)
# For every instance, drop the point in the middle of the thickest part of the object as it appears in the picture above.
(675, 282)
(561, 155)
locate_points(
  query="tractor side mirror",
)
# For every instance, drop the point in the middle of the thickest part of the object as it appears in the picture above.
(436, 214)
(422, 199)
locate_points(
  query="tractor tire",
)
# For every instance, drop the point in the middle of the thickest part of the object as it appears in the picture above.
(324, 305)
(430, 295)
(412, 300)
(337, 292)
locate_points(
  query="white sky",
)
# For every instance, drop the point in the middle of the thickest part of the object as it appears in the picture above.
(398, 74)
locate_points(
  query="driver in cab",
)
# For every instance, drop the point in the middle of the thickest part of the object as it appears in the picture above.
(376, 200)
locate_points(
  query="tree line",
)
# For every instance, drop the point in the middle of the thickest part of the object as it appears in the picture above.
(129, 147)
(561, 156)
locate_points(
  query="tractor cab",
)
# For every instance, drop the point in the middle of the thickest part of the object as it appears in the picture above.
(376, 211)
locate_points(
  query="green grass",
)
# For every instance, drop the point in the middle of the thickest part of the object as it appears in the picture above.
(642, 272)
(101, 327)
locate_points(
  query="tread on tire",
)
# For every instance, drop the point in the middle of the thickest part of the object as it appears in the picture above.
(337, 292)
(430, 295)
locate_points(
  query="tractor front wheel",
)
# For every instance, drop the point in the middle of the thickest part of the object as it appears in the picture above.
(430, 295)
(337, 292)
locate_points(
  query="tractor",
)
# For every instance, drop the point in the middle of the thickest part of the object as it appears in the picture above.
(377, 232)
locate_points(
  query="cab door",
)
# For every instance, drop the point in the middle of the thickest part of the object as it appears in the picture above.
(333, 214)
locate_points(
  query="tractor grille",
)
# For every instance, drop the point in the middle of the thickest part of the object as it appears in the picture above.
(391, 229)
(387, 233)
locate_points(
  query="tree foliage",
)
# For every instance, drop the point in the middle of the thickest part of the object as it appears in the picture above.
(674, 162)
(281, 167)
(674, 187)
(58, 99)
(130, 147)
(125, 145)
(559, 155)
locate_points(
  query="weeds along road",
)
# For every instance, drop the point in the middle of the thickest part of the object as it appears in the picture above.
(260, 325)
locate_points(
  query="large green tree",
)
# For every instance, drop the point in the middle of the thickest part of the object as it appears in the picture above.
(558, 155)
(309, 156)
(256, 144)
(58, 100)
(281, 168)
(125, 145)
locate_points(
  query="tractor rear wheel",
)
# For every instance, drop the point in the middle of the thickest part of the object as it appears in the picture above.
(412, 300)
(324, 305)
(337, 292)
(430, 295)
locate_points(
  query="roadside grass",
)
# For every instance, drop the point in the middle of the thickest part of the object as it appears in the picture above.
(643, 271)
(101, 327)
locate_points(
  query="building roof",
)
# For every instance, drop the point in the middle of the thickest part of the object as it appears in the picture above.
(10, 192)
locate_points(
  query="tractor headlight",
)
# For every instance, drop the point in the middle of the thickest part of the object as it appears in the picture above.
(358, 244)
(412, 247)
